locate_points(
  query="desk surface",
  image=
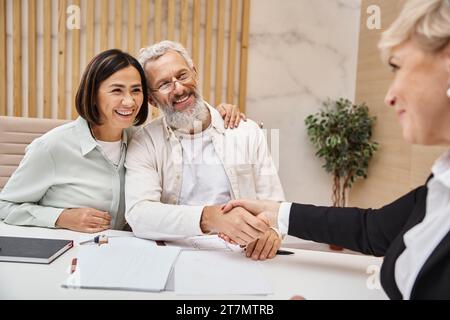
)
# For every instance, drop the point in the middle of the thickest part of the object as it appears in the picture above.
(313, 274)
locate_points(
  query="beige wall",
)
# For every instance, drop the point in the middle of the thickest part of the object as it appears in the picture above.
(397, 167)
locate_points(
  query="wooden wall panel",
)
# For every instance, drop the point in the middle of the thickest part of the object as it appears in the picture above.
(219, 50)
(32, 111)
(144, 23)
(62, 60)
(3, 57)
(118, 24)
(131, 26)
(65, 50)
(171, 19)
(104, 17)
(207, 52)
(196, 32)
(244, 54)
(47, 58)
(75, 65)
(232, 52)
(17, 58)
(90, 14)
(157, 16)
(184, 28)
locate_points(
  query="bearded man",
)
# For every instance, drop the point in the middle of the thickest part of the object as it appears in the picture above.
(183, 166)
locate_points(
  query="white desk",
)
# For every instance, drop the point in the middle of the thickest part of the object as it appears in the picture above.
(313, 274)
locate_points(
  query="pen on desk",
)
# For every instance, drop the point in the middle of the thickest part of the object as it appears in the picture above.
(284, 252)
(160, 243)
(73, 266)
(100, 239)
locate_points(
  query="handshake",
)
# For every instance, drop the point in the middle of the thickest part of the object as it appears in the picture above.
(249, 223)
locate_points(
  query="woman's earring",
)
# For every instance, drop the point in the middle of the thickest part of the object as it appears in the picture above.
(448, 90)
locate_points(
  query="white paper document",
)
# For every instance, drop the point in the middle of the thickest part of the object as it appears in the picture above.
(123, 267)
(218, 272)
(210, 242)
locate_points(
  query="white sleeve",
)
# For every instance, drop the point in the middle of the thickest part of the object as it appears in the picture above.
(146, 215)
(283, 217)
(25, 188)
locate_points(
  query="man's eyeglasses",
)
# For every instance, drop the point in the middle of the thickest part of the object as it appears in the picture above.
(167, 87)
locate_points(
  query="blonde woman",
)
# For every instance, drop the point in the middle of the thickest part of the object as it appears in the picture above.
(412, 233)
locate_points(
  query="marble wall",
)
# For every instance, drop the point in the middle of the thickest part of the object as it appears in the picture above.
(300, 53)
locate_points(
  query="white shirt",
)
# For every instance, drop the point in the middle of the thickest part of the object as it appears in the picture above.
(200, 164)
(422, 239)
(111, 150)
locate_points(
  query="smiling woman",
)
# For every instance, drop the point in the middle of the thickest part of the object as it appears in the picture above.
(420, 62)
(77, 170)
(119, 99)
(111, 94)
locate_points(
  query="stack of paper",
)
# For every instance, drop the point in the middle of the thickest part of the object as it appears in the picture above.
(199, 265)
(123, 267)
(212, 273)
(210, 242)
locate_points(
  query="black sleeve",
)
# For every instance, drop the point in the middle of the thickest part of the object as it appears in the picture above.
(369, 231)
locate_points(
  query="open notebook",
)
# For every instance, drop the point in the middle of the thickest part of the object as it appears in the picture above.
(32, 250)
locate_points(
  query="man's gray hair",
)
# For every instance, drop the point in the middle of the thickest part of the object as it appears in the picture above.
(158, 49)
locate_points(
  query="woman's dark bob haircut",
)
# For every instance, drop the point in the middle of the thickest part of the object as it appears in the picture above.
(101, 67)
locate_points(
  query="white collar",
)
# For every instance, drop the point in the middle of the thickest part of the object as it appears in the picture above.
(441, 169)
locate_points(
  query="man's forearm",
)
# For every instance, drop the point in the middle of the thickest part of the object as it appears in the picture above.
(207, 219)
(159, 221)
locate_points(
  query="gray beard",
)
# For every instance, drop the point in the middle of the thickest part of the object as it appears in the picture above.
(186, 121)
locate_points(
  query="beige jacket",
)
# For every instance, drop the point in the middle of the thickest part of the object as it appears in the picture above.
(154, 172)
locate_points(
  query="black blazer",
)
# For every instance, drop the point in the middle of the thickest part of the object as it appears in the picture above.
(380, 233)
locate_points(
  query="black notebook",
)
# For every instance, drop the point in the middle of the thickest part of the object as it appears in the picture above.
(32, 250)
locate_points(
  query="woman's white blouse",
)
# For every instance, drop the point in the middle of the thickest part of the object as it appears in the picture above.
(64, 168)
(422, 239)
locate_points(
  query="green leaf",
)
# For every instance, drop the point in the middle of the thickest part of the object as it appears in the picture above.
(341, 133)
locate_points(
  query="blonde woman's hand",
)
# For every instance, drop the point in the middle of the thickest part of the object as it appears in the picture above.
(265, 247)
(84, 220)
(254, 206)
(231, 115)
(264, 209)
(239, 225)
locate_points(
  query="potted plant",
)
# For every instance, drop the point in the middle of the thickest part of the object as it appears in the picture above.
(341, 133)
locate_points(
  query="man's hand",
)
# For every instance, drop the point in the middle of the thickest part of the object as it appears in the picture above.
(259, 208)
(264, 247)
(231, 115)
(84, 220)
(238, 224)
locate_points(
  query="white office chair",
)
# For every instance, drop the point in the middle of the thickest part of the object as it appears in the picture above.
(15, 134)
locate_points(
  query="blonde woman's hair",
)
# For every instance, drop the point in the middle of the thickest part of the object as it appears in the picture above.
(425, 21)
